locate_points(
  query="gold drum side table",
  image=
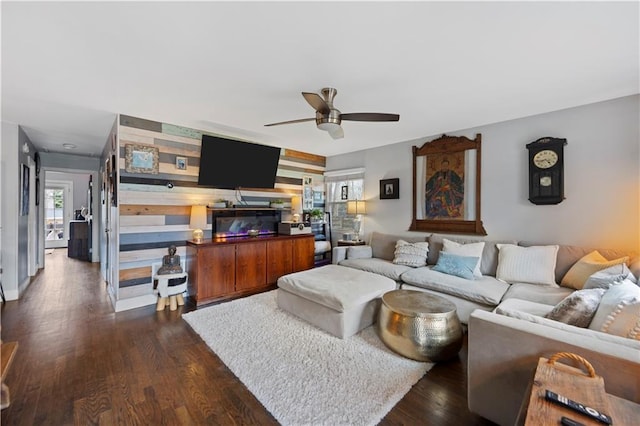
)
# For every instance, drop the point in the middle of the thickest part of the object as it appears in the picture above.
(418, 325)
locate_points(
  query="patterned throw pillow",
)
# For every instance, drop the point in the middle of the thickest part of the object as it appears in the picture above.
(577, 308)
(619, 311)
(469, 250)
(411, 254)
(587, 266)
(453, 264)
(533, 265)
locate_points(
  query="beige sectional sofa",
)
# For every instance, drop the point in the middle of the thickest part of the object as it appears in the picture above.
(508, 331)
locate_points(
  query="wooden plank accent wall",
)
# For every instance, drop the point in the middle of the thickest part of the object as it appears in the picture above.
(153, 216)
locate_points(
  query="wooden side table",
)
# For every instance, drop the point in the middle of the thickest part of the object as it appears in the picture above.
(8, 352)
(351, 243)
(573, 384)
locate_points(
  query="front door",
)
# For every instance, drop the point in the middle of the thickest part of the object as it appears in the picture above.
(57, 213)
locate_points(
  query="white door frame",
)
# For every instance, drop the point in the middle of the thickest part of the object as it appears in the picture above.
(67, 187)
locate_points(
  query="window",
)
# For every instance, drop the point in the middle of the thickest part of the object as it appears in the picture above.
(341, 186)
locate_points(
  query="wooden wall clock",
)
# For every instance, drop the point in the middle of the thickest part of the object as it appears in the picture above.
(546, 170)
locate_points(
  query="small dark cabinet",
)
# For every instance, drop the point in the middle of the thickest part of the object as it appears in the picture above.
(78, 244)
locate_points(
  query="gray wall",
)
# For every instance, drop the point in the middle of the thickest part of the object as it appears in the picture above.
(14, 227)
(602, 178)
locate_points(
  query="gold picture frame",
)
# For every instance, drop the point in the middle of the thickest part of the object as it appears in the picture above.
(141, 159)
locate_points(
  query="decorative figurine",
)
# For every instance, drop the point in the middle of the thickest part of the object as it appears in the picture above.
(170, 263)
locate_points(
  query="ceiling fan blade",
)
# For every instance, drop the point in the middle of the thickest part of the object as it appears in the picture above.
(337, 133)
(316, 102)
(369, 116)
(301, 120)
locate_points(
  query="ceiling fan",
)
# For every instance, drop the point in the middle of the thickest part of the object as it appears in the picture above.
(328, 118)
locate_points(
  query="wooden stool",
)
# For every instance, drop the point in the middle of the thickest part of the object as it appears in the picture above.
(169, 295)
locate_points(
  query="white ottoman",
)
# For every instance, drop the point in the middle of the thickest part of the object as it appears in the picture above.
(337, 299)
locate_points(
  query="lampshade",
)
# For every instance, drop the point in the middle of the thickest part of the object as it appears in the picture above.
(356, 207)
(198, 222)
(296, 204)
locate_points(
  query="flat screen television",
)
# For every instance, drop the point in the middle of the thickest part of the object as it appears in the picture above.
(231, 164)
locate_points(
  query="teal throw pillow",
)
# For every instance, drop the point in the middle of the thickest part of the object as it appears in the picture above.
(453, 264)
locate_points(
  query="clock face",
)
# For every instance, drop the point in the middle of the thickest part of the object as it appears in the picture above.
(545, 159)
(545, 181)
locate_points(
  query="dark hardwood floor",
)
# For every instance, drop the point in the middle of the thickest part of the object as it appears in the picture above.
(78, 362)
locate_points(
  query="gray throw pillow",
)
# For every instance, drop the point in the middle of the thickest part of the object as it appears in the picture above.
(577, 308)
(359, 252)
(607, 277)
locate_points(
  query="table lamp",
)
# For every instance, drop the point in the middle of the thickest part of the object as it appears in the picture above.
(198, 222)
(357, 207)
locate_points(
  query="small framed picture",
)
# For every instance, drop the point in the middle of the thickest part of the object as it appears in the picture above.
(181, 163)
(317, 196)
(141, 159)
(24, 194)
(389, 189)
(307, 180)
(344, 194)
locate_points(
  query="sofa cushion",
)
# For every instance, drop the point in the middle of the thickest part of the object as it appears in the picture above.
(359, 252)
(384, 245)
(486, 290)
(568, 255)
(378, 266)
(453, 264)
(469, 249)
(589, 264)
(577, 308)
(619, 311)
(549, 295)
(535, 264)
(489, 261)
(608, 277)
(411, 254)
(520, 305)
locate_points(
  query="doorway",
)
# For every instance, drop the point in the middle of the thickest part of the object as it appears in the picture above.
(58, 205)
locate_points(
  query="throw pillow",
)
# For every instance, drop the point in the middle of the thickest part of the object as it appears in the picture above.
(453, 264)
(533, 265)
(359, 252)
(619, 311)
(587, 266)
(469, 250)
(577, 308)
(411, 254)
(608, 277)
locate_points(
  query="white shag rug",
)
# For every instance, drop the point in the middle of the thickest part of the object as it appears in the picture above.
(301, 374)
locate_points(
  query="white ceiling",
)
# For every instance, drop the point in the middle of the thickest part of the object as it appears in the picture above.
(231, 67)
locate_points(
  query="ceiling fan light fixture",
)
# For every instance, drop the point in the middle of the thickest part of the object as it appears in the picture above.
(328, 126)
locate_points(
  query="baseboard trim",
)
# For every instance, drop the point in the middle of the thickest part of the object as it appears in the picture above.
(136, 302)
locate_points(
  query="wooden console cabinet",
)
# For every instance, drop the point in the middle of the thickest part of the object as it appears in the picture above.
(222, 269)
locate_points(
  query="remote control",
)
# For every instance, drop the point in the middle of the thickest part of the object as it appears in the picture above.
(587, 411)
(566, 421)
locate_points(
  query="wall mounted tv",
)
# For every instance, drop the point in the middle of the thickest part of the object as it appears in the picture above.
(231, 164)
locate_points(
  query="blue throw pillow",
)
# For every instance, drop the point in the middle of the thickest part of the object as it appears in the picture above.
(453, 264)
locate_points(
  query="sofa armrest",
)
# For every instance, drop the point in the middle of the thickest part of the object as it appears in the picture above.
(504, 352)
(338, 254)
